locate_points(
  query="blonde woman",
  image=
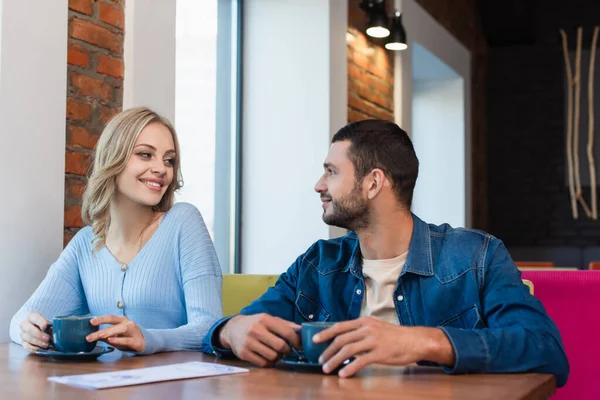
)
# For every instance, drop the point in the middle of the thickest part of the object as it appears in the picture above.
(145, 268)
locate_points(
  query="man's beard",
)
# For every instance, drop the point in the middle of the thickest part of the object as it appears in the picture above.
(349, 212)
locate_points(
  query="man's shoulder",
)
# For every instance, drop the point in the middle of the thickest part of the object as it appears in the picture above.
(463, 244)
(330, 255)
(459, 234)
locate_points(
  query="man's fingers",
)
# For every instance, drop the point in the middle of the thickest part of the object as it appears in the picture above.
(345, 353)
(270, 338)
(275, 343)
(285, 330)
(356, 365)
(291, 324)
(256, 352)
(255, 345)
(255, 359)
(339, 342)
(338, 329)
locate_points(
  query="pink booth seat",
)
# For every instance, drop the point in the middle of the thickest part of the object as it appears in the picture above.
(572, 299)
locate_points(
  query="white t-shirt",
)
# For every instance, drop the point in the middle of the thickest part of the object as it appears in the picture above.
(381, 277)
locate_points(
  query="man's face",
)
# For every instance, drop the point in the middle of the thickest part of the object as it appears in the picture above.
(344, 203)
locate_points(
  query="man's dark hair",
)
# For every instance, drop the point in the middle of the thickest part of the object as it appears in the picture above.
(382, 144)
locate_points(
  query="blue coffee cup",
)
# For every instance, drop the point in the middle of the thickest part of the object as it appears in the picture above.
(312, 351)
(68, 333)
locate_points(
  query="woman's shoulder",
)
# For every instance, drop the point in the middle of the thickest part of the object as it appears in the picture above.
(183, 210)
(183, 213)
(79, 247)
(83, 237)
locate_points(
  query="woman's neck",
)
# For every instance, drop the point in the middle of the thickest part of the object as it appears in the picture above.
(128, 221)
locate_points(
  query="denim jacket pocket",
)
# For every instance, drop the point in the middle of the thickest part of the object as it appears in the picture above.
(466, 319)
(310, 310)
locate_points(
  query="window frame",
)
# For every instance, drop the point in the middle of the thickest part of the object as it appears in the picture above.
(228, 140)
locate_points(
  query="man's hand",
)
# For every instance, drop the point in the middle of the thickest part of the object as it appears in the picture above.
(260, 339)
(372, 341)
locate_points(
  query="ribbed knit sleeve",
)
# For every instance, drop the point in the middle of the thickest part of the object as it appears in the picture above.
(60, 293)
(201, 279)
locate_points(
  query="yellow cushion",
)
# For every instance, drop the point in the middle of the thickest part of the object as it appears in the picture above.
(529, 285)
(239, 290)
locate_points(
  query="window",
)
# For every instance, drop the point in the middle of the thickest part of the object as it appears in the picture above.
(207, 117)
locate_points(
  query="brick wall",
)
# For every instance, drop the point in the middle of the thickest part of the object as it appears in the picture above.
(529, 199)
(462, 20)
(370, 72)
(94, 91)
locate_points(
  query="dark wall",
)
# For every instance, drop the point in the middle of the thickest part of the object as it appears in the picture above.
(529, 203)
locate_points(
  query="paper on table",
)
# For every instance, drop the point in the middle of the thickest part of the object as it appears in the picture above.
(103, 380)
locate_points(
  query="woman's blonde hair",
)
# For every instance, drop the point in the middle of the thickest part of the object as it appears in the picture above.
(113, 151)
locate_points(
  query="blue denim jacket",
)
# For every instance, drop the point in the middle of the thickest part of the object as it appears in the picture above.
(462, 281)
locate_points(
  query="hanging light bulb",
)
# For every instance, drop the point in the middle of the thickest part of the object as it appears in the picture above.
(378, 25)
(397, 39)
(377, 20)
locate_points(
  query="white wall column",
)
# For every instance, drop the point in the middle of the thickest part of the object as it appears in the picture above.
(149, 55)
(33, 87)
(294, 99)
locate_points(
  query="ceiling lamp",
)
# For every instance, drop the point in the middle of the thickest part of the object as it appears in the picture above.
(377, 19)
(397, 39)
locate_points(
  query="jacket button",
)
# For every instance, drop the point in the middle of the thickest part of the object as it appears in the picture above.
(358, 291)
(400, 298)
(311, 316)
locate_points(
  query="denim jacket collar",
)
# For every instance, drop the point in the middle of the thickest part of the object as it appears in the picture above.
(419, 259)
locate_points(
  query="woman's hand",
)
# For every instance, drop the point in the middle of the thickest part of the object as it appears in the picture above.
(124, 334)
(32, 332)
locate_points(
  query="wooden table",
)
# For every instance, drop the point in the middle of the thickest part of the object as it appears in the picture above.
(23, 376)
